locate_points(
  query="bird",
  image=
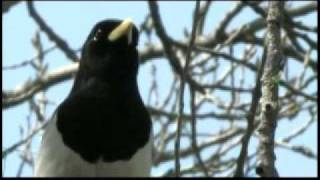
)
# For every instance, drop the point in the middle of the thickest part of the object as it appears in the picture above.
(102, 128)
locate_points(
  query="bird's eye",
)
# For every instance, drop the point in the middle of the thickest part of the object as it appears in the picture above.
(97, 35)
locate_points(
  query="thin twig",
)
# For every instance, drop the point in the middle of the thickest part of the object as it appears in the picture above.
(61, 44)
(23, 141)
(194, 132)
(167, 42)
(256, 94)
(182, 86)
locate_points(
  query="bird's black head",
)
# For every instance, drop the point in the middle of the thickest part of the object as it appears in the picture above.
(110, 51)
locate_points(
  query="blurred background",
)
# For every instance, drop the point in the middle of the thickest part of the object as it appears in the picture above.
(41, 48)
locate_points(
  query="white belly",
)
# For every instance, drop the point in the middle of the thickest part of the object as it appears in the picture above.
(57, 160)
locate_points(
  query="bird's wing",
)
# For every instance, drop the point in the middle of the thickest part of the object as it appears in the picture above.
(57, 160)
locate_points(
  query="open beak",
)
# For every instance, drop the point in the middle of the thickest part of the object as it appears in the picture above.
(125, 28)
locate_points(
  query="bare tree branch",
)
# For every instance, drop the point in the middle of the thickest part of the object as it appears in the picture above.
(256, 94)
(61, 44)
(269, 100)
(6, 5)
(183, 78)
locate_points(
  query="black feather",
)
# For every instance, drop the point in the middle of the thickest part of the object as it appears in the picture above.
(104, 116)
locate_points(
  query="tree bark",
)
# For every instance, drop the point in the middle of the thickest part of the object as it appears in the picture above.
(269, 100)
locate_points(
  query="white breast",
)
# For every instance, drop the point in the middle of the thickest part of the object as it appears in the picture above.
(57, 160)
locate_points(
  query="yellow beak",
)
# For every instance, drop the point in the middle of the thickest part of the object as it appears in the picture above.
(125, 28)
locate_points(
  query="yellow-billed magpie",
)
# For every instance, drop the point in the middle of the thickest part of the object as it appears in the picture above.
(102, 128)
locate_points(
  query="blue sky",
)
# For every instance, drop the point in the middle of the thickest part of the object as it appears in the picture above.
(74, 20)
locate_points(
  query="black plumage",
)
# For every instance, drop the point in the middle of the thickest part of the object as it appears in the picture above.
(104, 117)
